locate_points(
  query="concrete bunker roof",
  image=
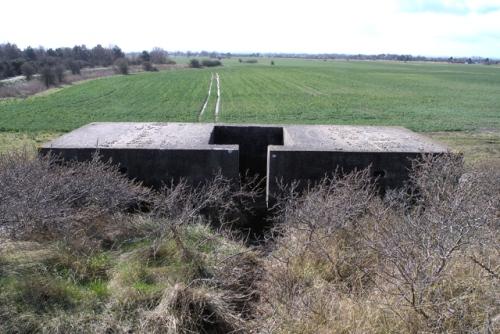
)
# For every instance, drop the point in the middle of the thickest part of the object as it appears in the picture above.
(346, 138)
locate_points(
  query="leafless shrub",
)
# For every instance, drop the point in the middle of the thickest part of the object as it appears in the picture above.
(322, 226)
(441, 215)
(42, 198)
(342, 199)
(423, 259)
(218, 202)
(425, 255)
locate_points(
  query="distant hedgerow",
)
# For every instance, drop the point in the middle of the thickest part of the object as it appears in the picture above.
(211, 63)
(194, 63)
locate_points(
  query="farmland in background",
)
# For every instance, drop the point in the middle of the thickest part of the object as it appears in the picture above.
(163, 96)
(422, 97)
(425, 97)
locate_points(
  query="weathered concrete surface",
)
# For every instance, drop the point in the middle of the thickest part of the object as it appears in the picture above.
(160, 152)
(154, 153)
(350, 138)
(312, 152)
(121, 135)
(391, 168)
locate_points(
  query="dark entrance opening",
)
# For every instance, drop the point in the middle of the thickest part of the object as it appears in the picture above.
(252, 141)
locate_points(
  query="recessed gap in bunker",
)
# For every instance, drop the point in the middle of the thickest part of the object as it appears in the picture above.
(253, 142)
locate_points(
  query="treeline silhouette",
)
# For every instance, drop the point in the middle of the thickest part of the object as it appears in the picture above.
(29, 61)
(340, 56)
(14, 61)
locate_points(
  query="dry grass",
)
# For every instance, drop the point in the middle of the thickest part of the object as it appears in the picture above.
(185, 309)
(342, 259)
(17, 141)
(478, 147)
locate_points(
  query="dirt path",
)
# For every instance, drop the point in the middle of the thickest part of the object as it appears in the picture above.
(217, 104)
(206, 99)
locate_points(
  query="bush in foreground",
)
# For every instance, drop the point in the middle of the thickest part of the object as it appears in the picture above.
(420, 260)
(83, 249)
(76, 255)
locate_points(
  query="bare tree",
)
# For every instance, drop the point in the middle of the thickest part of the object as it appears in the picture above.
(59, 72)
(158, 56)
(28, 70)
(48, 75)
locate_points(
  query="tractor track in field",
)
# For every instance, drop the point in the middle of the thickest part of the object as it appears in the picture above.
(202, 111)
(217, 104)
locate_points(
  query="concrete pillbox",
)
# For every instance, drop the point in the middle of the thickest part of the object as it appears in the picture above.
(161, 152)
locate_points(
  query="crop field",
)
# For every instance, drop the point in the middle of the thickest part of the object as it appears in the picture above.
(424, 97)
(163, 96)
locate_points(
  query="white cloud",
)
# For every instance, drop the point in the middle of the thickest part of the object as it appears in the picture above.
(258, 25)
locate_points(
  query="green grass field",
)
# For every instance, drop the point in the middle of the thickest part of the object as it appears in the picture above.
(424, 97)
(163, 96)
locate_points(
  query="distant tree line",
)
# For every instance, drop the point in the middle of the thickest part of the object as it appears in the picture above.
(383, 56)
(52, 63)
(14, 61)
(332, 56)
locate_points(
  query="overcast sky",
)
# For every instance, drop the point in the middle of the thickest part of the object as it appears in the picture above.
(426, 27)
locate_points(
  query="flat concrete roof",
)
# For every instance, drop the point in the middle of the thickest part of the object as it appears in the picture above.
(345, 138)
(121, 135)
(350, 138)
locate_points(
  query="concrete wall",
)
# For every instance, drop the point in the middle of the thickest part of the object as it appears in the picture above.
(288, 165)
(252, 141)
(154, 166)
